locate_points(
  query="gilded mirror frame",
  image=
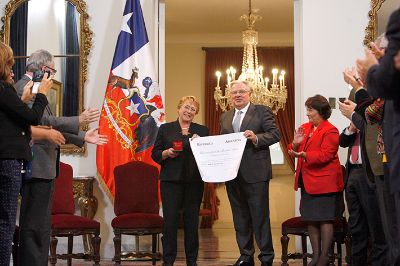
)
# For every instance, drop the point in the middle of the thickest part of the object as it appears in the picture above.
(370, 30)
(86, 43)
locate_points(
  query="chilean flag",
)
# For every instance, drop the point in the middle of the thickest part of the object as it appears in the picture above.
(133, 108)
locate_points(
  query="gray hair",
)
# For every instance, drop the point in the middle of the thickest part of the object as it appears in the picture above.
(38, 59)
(245, 82)
(381, 41)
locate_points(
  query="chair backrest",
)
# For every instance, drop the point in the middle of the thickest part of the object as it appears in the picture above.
(136, 188)
(63, 197)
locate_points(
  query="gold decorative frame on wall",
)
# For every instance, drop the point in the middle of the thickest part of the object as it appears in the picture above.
(370, 30)
(85, 36)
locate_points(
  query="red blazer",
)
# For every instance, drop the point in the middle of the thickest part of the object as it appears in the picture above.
(321, 172)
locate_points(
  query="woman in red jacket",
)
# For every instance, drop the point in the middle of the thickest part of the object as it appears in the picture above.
(319, 176)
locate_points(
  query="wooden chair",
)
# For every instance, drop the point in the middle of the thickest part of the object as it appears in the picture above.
(136, 207)
(65, 224)
(295, 226)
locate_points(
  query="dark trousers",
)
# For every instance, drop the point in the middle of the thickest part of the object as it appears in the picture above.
(250, 210)
(181, 198)
(389, 215)
(35, 222)
(364, 220)
(10, 183)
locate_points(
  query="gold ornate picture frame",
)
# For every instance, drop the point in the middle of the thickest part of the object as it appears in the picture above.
(371, 29)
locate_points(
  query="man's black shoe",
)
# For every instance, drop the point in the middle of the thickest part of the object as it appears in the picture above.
(243, 263)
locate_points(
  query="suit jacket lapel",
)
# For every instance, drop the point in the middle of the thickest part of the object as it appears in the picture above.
(249, 115)
(229, 120)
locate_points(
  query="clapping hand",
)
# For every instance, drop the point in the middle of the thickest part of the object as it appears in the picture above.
(88, 116)
(363, 65)
(378, 52)
(297, 154)
(347, 108)
(298, 136)
(350, 76)
(93, 136)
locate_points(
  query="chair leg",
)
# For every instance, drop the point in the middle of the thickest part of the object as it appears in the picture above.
(153, 248)
(96, 249)
(70, 246)
(331, 254)
(284, 243)
(117, 248)
(339, 252)
(53, 248)
(304, 249)
(137, 245)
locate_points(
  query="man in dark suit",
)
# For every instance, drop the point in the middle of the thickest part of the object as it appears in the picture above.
(249, 192)
(364, 215)
(383, 81)
(35, 223)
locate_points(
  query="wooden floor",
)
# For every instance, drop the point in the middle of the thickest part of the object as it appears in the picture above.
(217, 248)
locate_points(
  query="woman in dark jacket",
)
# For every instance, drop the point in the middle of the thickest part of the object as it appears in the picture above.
(181, 184)
(15, 120)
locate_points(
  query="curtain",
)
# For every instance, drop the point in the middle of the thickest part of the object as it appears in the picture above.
(71, 82)
(18, 39)
(268, 57)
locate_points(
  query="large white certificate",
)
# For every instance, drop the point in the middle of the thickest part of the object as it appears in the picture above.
(218, 157)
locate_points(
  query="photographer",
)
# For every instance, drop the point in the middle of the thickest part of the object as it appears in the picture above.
(35, 222)
(15, 119)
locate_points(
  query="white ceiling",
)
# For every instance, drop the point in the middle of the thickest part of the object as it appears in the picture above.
(222, 16)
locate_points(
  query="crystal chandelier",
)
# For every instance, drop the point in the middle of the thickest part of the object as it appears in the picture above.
(272, 95)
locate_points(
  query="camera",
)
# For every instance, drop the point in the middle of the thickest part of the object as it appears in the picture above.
(38, 75)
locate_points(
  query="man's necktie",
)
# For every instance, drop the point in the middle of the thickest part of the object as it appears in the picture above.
(355, 149)
(236, 122)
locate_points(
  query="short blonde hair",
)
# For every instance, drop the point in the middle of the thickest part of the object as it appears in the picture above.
(190, 99)
(6, 61)
(246, 83)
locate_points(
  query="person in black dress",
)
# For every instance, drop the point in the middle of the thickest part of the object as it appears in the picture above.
(181, 184)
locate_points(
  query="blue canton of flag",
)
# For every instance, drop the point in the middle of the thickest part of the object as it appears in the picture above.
(132, 24)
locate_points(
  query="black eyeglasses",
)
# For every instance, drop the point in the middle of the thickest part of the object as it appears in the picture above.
(54, 71)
